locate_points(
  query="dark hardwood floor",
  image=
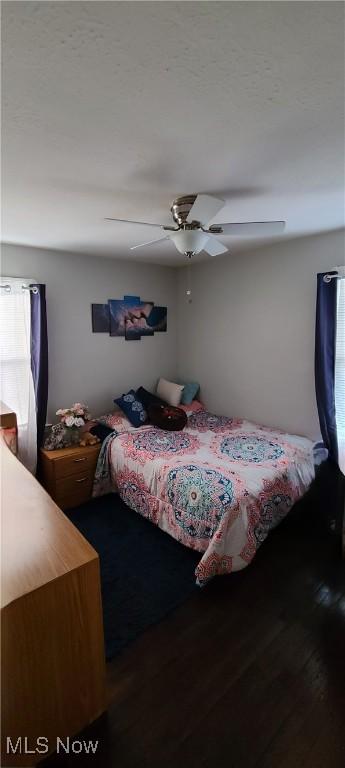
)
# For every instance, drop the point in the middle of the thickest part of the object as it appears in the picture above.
(248, 673)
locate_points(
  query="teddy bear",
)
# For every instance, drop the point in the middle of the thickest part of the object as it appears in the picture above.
(88, 439)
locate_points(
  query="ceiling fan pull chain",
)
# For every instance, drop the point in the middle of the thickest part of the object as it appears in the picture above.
(189, 280)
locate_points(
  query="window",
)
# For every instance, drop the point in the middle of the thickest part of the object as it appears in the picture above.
(16, 383)
(340, 372)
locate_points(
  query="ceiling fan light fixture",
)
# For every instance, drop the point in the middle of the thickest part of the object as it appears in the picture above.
(189, 240)
(193, 230)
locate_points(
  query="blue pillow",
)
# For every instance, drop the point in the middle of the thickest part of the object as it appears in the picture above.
(190, 391)
(132, 408)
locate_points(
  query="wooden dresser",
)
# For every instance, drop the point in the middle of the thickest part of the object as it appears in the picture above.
(67, 474)
(52, 661)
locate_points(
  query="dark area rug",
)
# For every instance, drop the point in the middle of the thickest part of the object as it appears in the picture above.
(145, 573)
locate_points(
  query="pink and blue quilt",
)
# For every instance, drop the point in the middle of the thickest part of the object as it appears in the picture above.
(218, 486)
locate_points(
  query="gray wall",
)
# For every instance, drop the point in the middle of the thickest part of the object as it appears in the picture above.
(86, 366)
(248, 335)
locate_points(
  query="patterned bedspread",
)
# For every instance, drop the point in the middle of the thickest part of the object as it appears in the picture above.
(218, 486)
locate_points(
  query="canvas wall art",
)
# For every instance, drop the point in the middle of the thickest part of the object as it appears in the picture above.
(129, 317)
(100, 318)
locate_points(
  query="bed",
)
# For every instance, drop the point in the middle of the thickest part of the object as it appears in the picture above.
(218, 486)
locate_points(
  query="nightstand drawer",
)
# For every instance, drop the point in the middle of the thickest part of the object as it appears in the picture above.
(68, 474)
(75, 464)
(71, 491)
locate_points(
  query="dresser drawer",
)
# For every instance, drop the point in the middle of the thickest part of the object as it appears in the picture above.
(74, 465)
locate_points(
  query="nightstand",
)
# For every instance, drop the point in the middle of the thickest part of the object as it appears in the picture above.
(68, 473)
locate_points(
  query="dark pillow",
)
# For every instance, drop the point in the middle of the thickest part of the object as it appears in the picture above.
(133, 408)
(167, 417)
(147, 398)
(101, 431)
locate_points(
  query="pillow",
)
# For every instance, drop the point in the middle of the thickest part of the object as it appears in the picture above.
(194, 407)
(115, 420)
(169, 391)
(133, 408)
(101, 431)
(147, 398)
(190, 391)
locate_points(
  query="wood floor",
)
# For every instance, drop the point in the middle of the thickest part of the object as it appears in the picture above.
(248, 673)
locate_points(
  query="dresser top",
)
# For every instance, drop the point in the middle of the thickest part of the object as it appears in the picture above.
(38, 543)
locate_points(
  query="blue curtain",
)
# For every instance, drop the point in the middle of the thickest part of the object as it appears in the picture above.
(325, 341)
(39, 356)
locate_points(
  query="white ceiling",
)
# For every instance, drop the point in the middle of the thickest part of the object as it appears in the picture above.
(113, 109)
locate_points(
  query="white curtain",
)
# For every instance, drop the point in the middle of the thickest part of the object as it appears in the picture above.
(16, 382)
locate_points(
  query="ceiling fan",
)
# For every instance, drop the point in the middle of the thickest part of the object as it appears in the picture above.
(193, 233)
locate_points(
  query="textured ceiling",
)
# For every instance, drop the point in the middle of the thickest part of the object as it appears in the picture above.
(113, 109)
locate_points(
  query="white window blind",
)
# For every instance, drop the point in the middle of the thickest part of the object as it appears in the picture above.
(340, 372)
(16, 383)
(15, 353)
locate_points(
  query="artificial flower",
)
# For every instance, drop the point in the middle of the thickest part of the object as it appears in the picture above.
(74, 416)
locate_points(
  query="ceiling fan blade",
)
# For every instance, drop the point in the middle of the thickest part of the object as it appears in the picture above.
(143, 223)
(150, 242)
(204, 209)
(250, 228)
(214, 247)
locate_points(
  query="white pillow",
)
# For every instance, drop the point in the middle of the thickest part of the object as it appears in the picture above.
(169, 391)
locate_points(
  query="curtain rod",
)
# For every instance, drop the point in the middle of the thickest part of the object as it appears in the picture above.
(338, 272)
(8, 288)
